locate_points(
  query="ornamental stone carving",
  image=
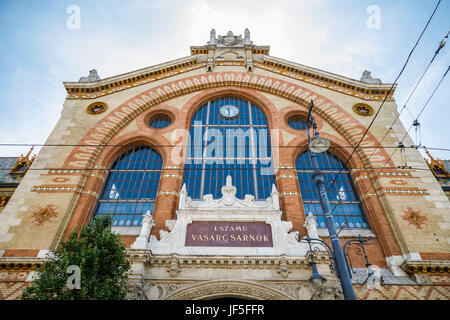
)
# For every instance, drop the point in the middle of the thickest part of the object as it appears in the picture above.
(311, 226)
(283, 268)
(230, 40)
(174, 268)
(367, 78)
(232, 210)
(331, 290)
(229, 199)
(212, 38)
(211, 289)
(147, 224)
(93, 76)
(135, 289)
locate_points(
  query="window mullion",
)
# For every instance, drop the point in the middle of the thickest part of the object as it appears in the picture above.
(202, 183)
(252, 150)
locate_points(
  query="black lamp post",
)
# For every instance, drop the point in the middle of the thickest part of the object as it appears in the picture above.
(319, 145)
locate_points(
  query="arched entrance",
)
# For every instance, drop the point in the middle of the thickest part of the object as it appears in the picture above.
(228, 289)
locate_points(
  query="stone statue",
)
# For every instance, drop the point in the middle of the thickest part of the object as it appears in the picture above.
(93, 76)
(311, 226)
(147, 225)
(367, 78)
(230, 40)
(212, 37)
(274, 196)
(247, 37)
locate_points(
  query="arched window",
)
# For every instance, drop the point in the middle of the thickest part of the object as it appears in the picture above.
(131, 186)
(349, 209)
(229, 136)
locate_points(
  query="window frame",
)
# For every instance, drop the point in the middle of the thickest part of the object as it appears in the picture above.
(125, 176)
(347, 211)
(251, 120)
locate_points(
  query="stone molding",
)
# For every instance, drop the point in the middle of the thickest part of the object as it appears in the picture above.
(213, 289)
(227, 208)
(426, 267)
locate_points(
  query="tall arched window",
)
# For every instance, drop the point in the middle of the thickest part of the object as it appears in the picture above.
(349, 209)
(131, 186)
(229, 136)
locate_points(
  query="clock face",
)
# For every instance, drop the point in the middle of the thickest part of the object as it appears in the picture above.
(229, 111)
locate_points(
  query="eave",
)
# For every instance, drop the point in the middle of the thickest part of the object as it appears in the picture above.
(332, 81)
(90, 90)
(317, 77)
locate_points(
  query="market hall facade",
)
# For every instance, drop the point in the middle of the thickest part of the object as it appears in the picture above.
(203, 165)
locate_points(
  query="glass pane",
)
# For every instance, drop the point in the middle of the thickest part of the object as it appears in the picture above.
(132, 186)
(344, 201)
(238, 146)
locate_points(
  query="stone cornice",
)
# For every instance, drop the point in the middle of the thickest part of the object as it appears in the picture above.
(317, 77)
(91, 90)
(21, 263)
(367, 91)
(237, 262)
(426, 267)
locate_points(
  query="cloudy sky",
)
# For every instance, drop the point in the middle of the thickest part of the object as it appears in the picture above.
(41, 49)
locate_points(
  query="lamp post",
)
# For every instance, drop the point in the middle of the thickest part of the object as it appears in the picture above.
(319, 145)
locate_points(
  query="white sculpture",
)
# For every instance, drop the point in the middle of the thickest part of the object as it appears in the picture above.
(212, 37)
(147, 225)
(228, 199)
(274, 197)
(367, 78)
(311, 226)
(230, 40)
(228, 209)
(93, 76)
(247, 37)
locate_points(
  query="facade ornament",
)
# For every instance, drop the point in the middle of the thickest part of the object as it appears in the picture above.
(154, 292)
(23, 163)
(367, 78)
(230, 40)
(165, 236)
(135, 290)
(93, 76)
(230, 48)
(331, 290)
(290, 237)
(174, 268)
(183, 198)
(228, 199)
(283, 268)
(247, 37)
(172, 240)
(274, 198)
(311, 226)
(212, 38)
(147, 224)
(436, 165)
(4, 200)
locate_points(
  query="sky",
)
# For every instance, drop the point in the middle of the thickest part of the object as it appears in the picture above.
(42, 46)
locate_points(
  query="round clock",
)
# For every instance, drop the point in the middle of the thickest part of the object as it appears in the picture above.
(229, 111)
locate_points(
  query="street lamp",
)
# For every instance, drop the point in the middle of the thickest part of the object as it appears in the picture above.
(316, 279)
(319, 145)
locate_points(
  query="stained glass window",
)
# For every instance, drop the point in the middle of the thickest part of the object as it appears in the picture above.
(220, 146)
(341, 194)
(131, 186)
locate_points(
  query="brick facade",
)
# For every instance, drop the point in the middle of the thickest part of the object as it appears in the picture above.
(75, 175)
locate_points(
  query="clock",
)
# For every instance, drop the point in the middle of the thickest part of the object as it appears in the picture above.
(229, 111)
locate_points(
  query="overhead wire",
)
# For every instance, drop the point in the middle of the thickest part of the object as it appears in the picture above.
(440, 46)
